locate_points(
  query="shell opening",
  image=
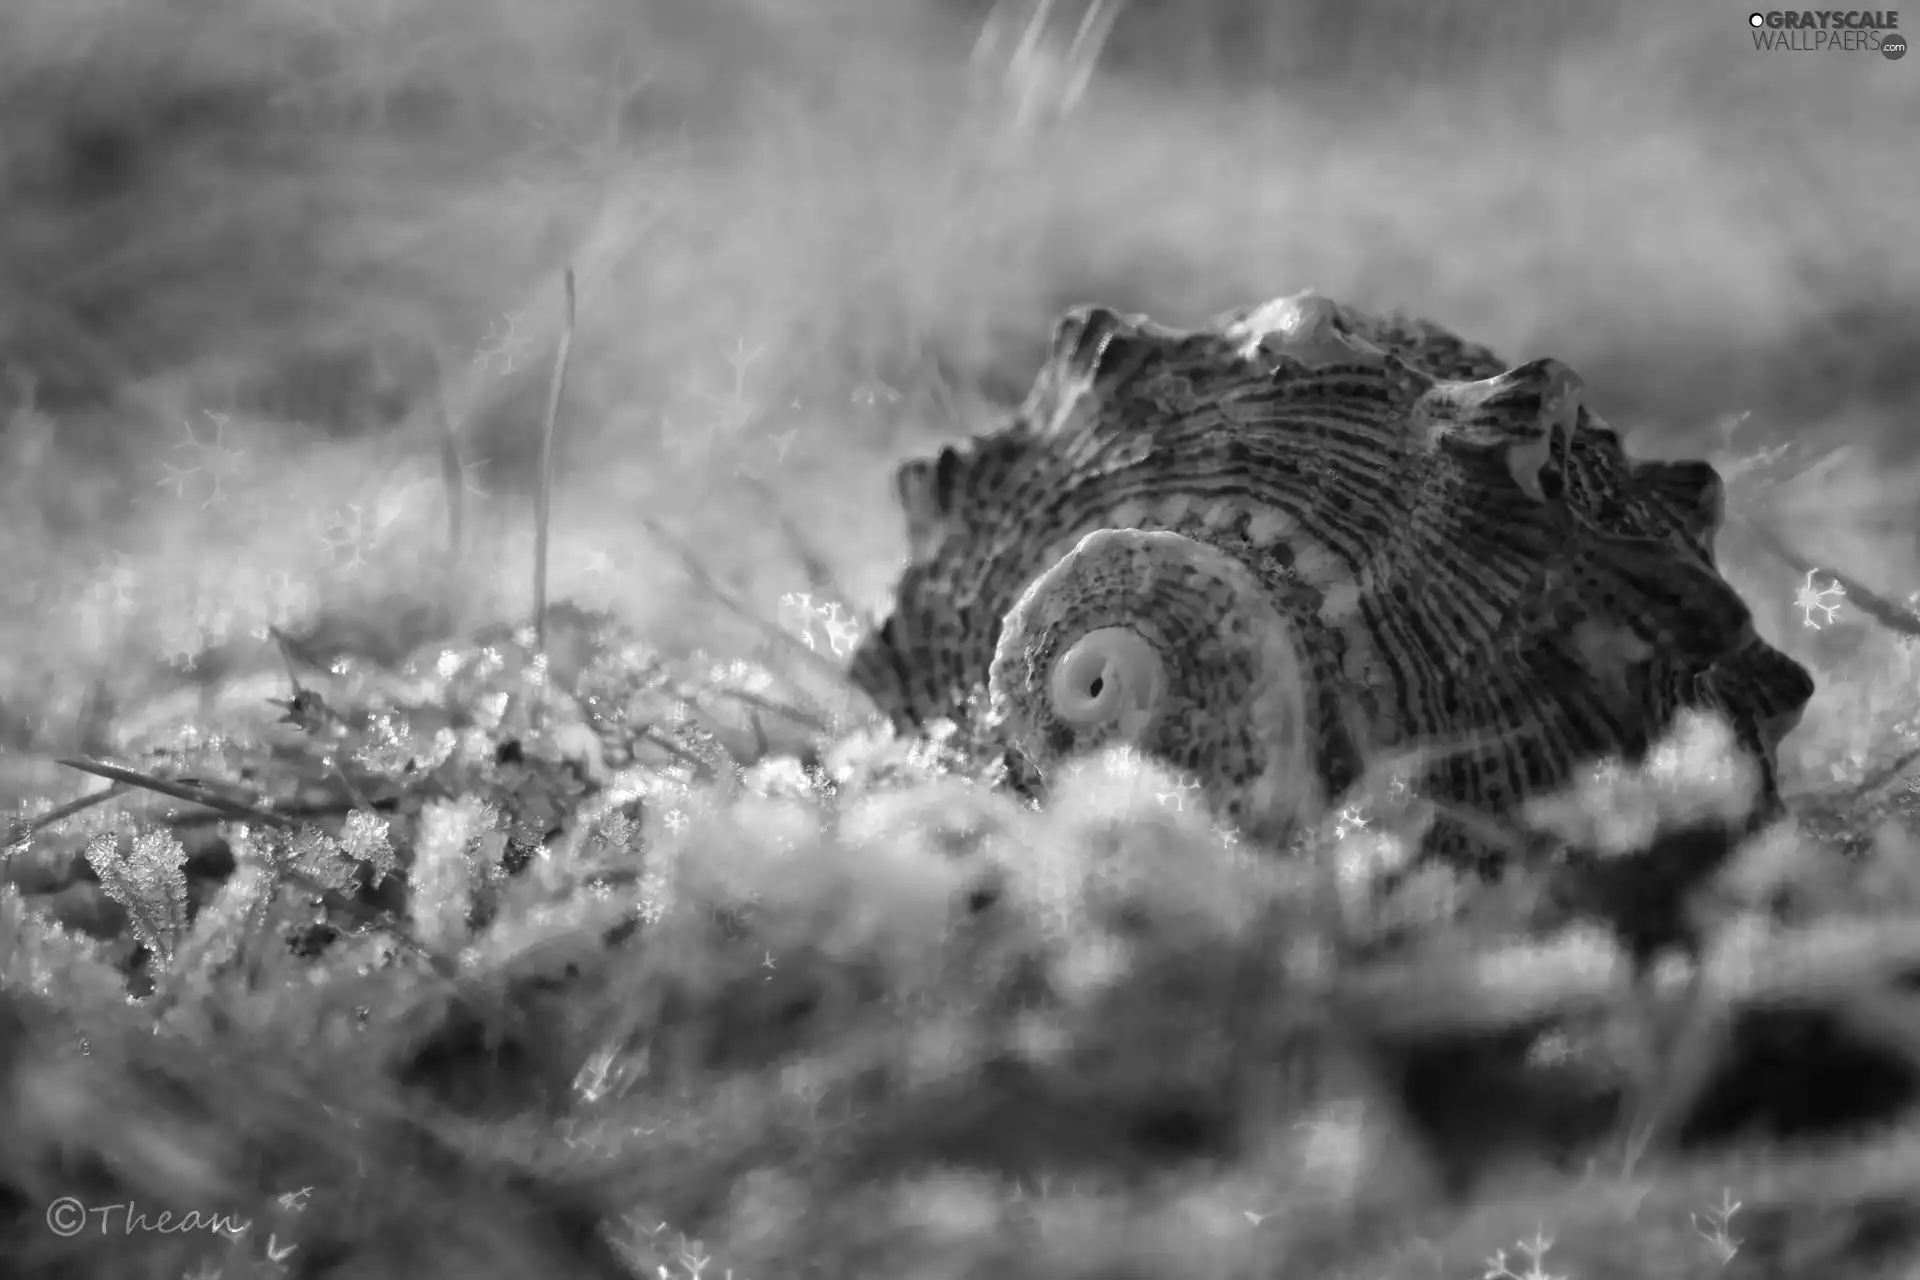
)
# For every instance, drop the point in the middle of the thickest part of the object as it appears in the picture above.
(1107, 676)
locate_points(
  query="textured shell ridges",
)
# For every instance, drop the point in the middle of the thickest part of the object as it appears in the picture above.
(1459, 552)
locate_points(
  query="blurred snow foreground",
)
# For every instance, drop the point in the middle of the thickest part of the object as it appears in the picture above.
(1696, 774)
(512, 965)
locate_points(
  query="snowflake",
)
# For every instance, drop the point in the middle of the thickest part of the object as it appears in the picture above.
(598, 1076)
(318, 858)
(753, 466)
(20, 591)
(1178, 795)
(796, 613)
(349, 534)
(365, 839)
(843, 633)
(1810, 597)
(113, 588)
(871, 393)
(388, 56)
(1535, 1252)
(286, 597)
(215, 459)
(216, 625)
(468, 481)
(734, 403)
(596, 563)
(800, 615)
(150, 883)
(689, 447)
(596, 138)
(1352, 818)
(502, 344)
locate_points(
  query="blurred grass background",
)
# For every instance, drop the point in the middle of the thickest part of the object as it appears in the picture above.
(254, 255)
(237, 239)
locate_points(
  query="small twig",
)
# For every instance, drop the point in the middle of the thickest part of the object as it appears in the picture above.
(1896, 618)
(21, 830)
(543, 495)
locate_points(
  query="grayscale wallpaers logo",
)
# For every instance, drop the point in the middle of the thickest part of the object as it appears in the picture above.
(1823, 30)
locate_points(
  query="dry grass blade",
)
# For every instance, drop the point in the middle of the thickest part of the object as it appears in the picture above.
(1384, 772)
(354, 793)
(452, 474)
(1045, 77)
(1083, 53)
(720, 592)
(310, 812)
(543, 495)
(1487, 830)
(1895, 617)
(699, 764)
(442, 965)
(292, 652)
(820, 576)
(191, 793)
(21, 830)
(371, 917)
(1765, 470)
(287, 656)
(760, 702)
(761, 745)
(1887, 775)
(196, 794)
